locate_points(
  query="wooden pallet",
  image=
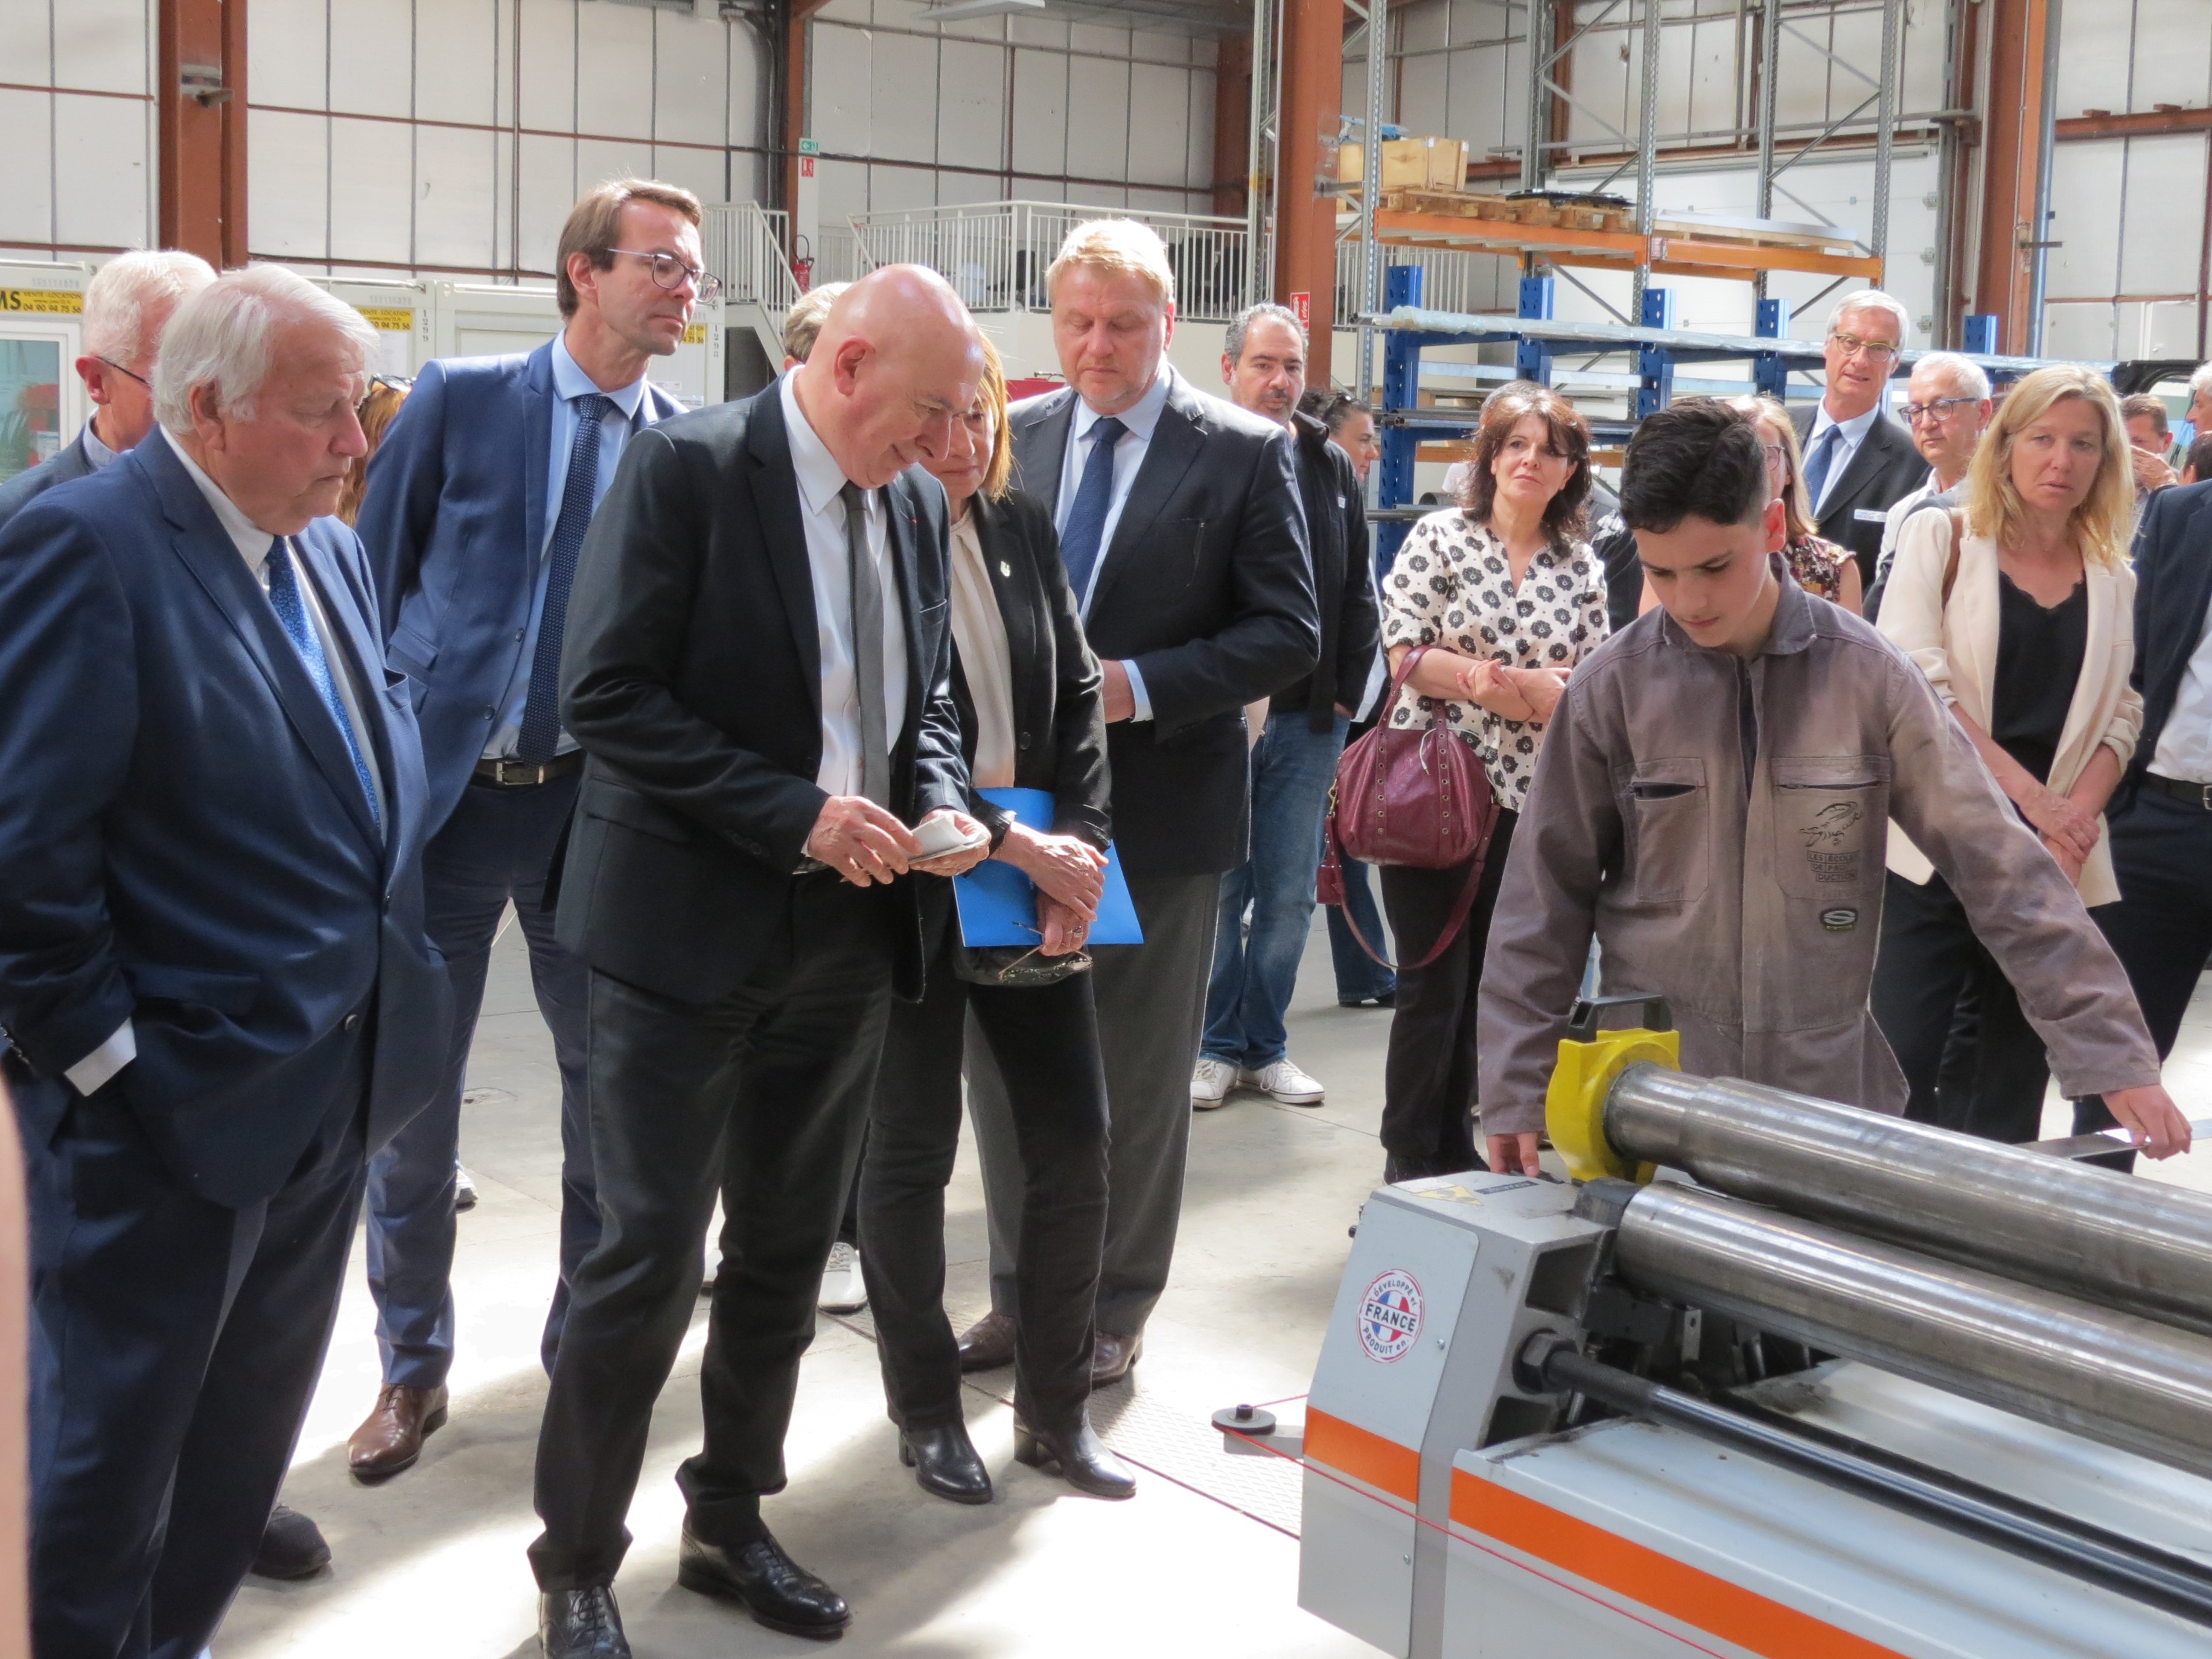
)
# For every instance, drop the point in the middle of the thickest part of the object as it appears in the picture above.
(1500, 210)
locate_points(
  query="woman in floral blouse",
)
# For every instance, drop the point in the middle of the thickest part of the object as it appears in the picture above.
(1511, 597)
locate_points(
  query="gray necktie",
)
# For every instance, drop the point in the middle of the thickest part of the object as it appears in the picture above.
(867, 648)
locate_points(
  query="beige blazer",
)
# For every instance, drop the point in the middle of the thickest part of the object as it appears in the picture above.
(1956, 647)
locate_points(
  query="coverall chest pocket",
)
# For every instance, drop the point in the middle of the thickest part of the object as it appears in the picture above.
(1830, 824)
(1669, 816)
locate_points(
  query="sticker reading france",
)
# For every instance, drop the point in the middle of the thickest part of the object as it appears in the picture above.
(1390, 1316)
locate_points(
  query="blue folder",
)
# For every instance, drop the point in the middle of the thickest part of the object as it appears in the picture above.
(997, 903)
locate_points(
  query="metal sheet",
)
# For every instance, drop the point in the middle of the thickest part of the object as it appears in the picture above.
(2142, 1245)
(2128, 1382)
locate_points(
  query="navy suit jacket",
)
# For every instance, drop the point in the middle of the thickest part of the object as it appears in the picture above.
(26, 486)
(2174, 585)
(454, 523)
(186, 840)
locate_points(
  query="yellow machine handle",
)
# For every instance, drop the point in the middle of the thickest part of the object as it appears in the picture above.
(1589, 1060)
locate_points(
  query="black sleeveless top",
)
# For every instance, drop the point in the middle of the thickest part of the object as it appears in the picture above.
(2040, 653)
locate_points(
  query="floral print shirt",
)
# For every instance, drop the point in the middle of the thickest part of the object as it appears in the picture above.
(1451, 586)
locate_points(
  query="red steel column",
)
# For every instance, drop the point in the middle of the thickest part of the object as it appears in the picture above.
(2012, 158)
(202, 122)
(1305, 217)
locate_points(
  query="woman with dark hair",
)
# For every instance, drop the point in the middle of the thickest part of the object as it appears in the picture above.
(1818, 567)
(1020, 667)
(1508, 598)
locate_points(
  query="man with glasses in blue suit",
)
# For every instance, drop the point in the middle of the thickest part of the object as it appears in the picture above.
(476, 506)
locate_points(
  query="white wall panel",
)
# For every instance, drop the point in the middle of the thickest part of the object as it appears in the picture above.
(455, 198)
(849, 11)
(704, 173)
(972, 122)
(458, 60)
(2162, 236)
(287, 184)
(2079, 331)
(844, 190)
(372, 191)
(2086, 199)
(2093, 59)
(1097, 119)
(2173, 54)
(748, 87)
(548, 65)
(1041, 83)
(100, 148)
(690, 95)
(953, 188)
(1421, 94)
(548, 191)
(891, 188)
(1198, 171)
(598, 159)
(1421, 28)
(26, 204)
(27, 44)
(1151, 48)
(99, 45)
(372, 53)
(1092, 36)
(288, 54)
(613, 81)
(1159, 111)
(843, 88)
(1048, 31)
(903, 100)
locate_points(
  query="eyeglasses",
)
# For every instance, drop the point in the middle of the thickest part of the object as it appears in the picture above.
(1939, 407)
(390, 382)
(119, 369)
(1853, 346)
(672, 273)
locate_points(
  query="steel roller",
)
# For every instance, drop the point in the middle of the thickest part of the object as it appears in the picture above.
(2140, 1245)
(2126, 1381)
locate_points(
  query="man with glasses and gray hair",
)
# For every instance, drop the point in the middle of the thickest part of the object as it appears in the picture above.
(475, 510)
(1859, 461)
(127, 304)
(1947, 406)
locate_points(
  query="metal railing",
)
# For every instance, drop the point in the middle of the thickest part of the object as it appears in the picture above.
(742, 243)
(996, 253)
(1474, 279)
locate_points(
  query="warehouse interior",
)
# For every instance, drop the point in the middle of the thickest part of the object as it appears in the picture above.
(1632, 201)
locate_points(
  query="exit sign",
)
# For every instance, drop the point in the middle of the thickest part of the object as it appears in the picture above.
(1301, 304)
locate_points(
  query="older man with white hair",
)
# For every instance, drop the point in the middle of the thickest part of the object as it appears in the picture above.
(126, 305)
(1858, 460)
(1947, 405)
(213, 975)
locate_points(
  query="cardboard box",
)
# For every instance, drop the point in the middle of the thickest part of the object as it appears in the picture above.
(1408, 164)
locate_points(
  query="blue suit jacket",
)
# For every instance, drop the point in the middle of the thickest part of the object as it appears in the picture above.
(2174, 585)
(454, 523)
(20, 491)
(186, 841)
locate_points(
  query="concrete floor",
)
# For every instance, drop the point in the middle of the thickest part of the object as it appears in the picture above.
(1202, 1562)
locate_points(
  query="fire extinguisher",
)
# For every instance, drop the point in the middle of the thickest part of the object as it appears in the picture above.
(802, 267)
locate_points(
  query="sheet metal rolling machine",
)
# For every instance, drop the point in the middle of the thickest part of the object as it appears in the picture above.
(1769, 1376)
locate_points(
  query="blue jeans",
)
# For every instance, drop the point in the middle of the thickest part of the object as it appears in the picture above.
(497, 846)
(1359, 978)
(1253, 974)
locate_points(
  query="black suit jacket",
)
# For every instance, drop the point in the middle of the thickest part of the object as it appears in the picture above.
(1344, 581)
(691, 676)
(1206, 587)
(26, 486)
(1883, 470)
(2173, 586)
(1060, 721)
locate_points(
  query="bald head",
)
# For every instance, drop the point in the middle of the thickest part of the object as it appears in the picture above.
(896, 364)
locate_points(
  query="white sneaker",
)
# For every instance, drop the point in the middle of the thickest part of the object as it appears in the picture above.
(1287, 1082)
(843, 1290)
(1211, 1080)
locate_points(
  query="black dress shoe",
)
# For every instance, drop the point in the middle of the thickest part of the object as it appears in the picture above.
(1111, 1356)
(1085, 1462)
(777, 1591)
(581, 1624)
(988, 1343)
(292, 1547)
(944, 1462)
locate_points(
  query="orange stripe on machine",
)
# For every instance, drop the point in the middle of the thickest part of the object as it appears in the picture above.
(1644, 1576)
(1363, 1455)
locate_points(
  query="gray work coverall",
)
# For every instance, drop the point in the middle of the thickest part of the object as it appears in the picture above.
(1719, 824)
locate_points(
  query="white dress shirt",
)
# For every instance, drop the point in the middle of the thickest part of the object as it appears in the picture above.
(1143, 419)
(821, 510)
(253, 545)
(979, 635)
(1854, 434)
(2184, 742)
(95, 451)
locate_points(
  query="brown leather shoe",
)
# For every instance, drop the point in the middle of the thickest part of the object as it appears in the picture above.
(988, 1343)
(391, 1437)
(1111, 1356)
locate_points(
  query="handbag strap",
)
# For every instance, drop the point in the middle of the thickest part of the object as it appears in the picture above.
(1461, 906)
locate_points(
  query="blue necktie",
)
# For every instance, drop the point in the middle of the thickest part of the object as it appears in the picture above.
(541, 714)
(1817, 464)
(1094, 499)
(292, 613)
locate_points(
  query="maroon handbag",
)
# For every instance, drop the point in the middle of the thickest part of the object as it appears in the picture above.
(1413, 796)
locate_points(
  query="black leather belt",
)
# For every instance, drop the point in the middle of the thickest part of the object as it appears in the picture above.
(2195, 794)
(513, 774)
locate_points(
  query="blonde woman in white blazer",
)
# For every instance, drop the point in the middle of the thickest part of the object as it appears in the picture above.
(2025, 625)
